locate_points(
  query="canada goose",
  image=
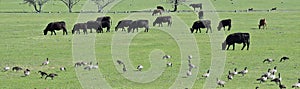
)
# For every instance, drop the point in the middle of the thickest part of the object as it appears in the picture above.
(169, 64)
(191, 66)
(80, 64)
(43, 73)
(51, 75)
(16, 68)
(234, 72)
(243, 72)
(268, 73)
(256, 87)
(62, 69)
(139, 67)
(206, 74)
(46, 62)
(89, 67)
(277, 80)
(274, 69)
(284, 58)
(124, 68)
(26, 72)
(269, 60)
(272, 76)
(190, 57)
(262, 78)
(281, 86)
(220, 82)
(95, 66)
(189, 73)
(166, 57)
(6, 68)
(230, 75)
(119, 62)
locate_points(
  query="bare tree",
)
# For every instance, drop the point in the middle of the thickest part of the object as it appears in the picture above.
(102, 3)
(70, 3)
(37, 4)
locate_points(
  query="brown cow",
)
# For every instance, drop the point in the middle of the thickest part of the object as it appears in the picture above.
(263, 23)
(94, 25)
(163, 19)
(157, 11)
(139, 24)
(199, 5)
(122, 24)
(79, 26)
(56, 26)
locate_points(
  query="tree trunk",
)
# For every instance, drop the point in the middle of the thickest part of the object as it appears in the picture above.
(35, 8)
(175, 6)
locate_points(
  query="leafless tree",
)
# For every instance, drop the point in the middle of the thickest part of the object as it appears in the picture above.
(37, 4)
(70, 4)
(102, 3)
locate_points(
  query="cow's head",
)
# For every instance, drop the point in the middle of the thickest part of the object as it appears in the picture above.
(45, 32)
(192, 30)
(154, 23)
(224, 45)
(219, 28)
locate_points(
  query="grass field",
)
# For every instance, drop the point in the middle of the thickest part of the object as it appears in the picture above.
(23, 44)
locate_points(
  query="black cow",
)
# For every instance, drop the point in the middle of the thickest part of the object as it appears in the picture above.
(239, 38)
(201, 24)
(122, 24)
(200, 14)
(105, 22)
(56, 26)
(263, 23)
(94, 25)
(160, 7)
(139, 24)
(199, 5)
(163, 19)
(223, 23)
(157, 11)
(79, 26)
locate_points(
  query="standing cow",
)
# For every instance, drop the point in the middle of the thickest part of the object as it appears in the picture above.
(223, 23)
(163, 19)
(239, 38)
(157, 11)
(105, 22)
(79, 26)
(122, 24)
(138, 24)
(56, 26)
(201, 24)
(94, 25)
(262, 23)
(199, 5)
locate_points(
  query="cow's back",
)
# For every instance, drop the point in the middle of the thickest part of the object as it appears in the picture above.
(237, 38)
(93, 24)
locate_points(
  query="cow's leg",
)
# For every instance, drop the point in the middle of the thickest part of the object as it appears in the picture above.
(228, 46)
(91, 30)
(54, 32)
(244, 44)
(64, 31)
(229, 27)
(233, 46)
(248, 44)
(108, 29)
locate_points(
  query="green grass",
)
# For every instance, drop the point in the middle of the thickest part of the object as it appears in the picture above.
(23, 44)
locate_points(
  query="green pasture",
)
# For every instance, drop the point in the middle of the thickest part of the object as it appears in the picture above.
(23, 44)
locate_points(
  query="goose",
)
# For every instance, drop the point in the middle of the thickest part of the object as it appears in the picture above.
(296, 85)
(89, 67)
(206, 74)
(191, 66)
(46, 62)
(277, 80)
(234, 72)
(274, 70)
(190, 57)
(272, 76)
(62, 69)
(243, 72)
(16, 68)
(124, 68)
(140, 67)
(268, 73)
(119, 62)
(256, 87)
(51, 75)
(169, 64)
(269, 60)
(43, 73)
(220, 82)
(95, 66)
(189, 73)
(230, 75)
(80, 64)
(26, 72)
(284, 58)
(166, 57)
(281, 86)
(262, 78)
(6, 68)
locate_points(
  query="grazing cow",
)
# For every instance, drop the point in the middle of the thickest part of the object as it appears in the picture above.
(200, 14)
(160, 7)
(79, 26)
(223, 23)
(139, 24)
(263, 23)
(56, 26)
(105, 22)
(199, 5)
(122, 24)
(239, 38)
(157, 11)
(94, 25)
(201, 24)
(163, 19)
